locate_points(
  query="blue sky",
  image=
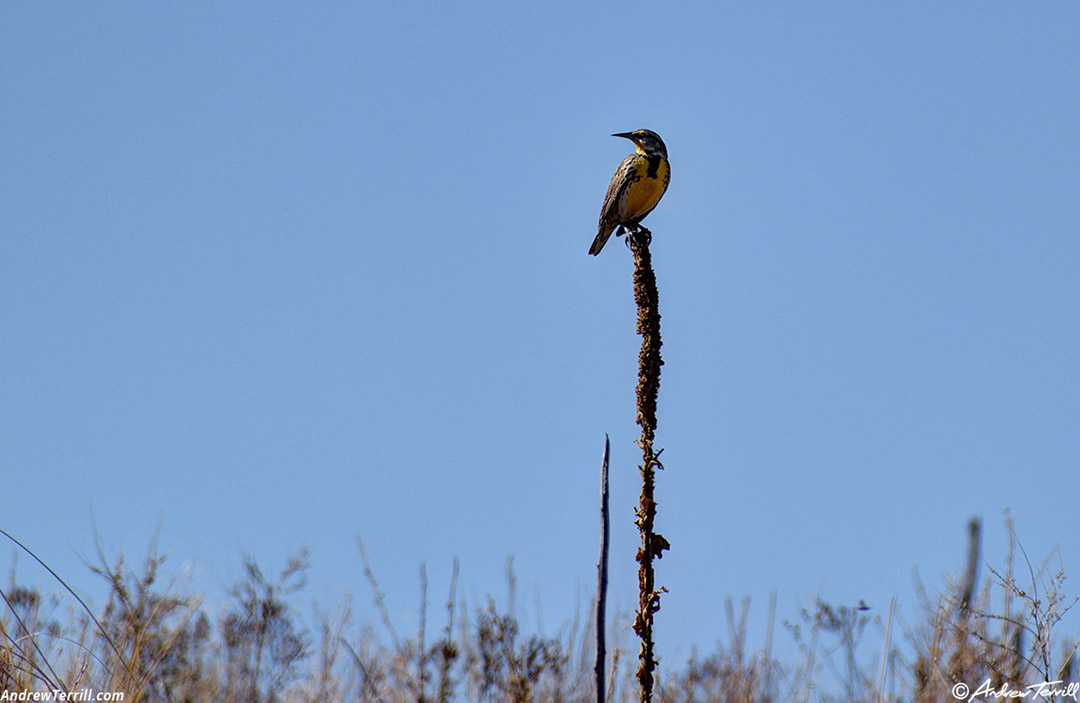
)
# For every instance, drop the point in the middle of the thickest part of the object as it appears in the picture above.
(275, 277)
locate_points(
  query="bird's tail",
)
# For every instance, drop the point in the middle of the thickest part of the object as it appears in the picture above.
(601, 238)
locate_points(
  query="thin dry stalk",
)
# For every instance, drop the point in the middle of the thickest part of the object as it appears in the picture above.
(421, 651)
(886, 651)
(100, 630)
(447, 650)
(377, 595)
(602, 575)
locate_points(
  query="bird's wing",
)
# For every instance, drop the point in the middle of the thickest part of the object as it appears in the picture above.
(625, 174)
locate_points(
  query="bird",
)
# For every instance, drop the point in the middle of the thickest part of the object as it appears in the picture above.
(636, 188)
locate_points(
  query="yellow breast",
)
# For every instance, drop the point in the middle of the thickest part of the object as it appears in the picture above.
(645, 192)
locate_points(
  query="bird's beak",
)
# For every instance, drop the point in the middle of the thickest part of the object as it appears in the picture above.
(625, 135)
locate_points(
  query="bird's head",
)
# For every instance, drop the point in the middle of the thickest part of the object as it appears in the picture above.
(646, 141)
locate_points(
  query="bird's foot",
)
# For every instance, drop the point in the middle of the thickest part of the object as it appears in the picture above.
(639, 235)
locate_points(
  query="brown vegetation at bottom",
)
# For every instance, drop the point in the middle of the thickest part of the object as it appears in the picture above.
(154, 643)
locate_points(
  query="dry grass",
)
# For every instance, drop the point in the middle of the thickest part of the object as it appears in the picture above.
(155, 643)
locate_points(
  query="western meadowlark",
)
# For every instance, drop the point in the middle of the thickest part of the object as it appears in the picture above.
(636, 188)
